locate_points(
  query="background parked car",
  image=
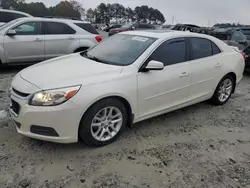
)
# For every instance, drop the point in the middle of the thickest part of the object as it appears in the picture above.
(108, 28)
(9, 15)
(235, 37)
(131, 26)
(37, 39)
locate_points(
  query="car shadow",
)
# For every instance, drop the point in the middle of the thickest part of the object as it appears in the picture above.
(12, 68)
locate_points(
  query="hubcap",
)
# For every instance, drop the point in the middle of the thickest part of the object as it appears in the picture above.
(225, 90)
(106, 123)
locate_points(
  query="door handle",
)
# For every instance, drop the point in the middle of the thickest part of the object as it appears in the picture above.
(70, 38)
(218, 65)
(184, 74)
(38, 40)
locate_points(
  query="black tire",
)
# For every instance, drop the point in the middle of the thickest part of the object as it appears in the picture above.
(215, 99)
(85, 125)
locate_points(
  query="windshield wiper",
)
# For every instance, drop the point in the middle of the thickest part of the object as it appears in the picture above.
(85, 54)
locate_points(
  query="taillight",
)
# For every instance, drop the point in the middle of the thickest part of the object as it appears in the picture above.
(98, 38)
(243, 54)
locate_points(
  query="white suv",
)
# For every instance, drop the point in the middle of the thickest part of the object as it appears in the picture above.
(28, 40)
(9, 15)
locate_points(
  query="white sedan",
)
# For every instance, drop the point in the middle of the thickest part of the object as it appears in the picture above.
(127, 78)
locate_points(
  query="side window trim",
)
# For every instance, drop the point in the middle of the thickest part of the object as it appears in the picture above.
(177, 39)
(25, 22)
(46, 28)
(191, 51)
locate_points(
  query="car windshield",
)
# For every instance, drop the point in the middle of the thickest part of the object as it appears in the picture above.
(8, 24)
(121, 49)
(127, 25)
(246, 32)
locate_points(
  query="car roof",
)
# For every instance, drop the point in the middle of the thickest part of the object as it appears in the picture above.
(14, 11)
(52, 19)
(162, 34)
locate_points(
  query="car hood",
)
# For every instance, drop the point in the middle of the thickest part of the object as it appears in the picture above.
(69, 70)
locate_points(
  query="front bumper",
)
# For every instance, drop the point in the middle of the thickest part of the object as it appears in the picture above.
(62, 119)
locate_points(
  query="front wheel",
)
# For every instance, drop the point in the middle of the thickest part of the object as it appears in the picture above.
(223, 91)
(103, 122)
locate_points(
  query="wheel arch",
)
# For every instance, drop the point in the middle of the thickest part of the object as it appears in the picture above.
(118, 97)
(79, 49)
(234, 77)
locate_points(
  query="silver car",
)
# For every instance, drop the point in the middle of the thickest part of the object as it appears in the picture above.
(9, 15)
(28, 40)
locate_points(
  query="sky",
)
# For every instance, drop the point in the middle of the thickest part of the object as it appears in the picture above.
(200, 12)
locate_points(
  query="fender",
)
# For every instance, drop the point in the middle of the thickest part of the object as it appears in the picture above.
(81, 43)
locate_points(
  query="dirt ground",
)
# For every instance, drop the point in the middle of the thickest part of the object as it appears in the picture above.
(199, 146)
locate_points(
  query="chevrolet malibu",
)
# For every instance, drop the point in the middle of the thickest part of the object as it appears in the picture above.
(130, 77)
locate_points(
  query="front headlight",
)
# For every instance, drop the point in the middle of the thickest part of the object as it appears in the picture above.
(53, 97)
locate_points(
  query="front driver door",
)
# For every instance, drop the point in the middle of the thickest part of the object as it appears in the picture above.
(170, 87)
(27, 45)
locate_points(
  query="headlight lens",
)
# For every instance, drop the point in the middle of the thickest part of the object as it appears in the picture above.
(53, 97)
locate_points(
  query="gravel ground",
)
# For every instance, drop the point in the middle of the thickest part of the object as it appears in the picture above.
(199, 146)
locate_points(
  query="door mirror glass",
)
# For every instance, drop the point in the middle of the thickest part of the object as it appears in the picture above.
(155, 65)
(11, 33)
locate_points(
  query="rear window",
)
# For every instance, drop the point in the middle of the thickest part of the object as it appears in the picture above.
(87, 27)
(9, 16)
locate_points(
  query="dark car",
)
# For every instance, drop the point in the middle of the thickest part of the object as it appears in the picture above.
(186, 27)
(131, 26)
(235, 37)
(108, 28)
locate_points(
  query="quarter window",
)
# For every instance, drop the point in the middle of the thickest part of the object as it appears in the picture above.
(170, 52)
(56, 28)
(200, 48)
(30, 28)
(87, 27)
(215, 48)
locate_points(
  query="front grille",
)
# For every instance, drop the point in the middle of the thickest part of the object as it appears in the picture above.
(20, 93)
(15, 106)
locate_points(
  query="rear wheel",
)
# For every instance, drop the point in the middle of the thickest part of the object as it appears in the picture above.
(103, 122)
(223, 91)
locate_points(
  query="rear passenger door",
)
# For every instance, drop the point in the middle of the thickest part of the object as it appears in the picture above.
(58, 39)
(205, 67)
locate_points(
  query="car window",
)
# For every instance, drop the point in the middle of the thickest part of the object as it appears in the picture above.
(238, 36)
(87, 27)
(30, 28)
(9, 16)
(120, 49)
(200, 48)
(56, 28)
(215, 49)
(170, 52)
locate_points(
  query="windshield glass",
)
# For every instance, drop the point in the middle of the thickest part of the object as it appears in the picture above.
(8, 24)
(127, 25)
(120, 49)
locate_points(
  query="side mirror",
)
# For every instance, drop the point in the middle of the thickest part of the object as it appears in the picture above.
(154, 65)
(11, 33)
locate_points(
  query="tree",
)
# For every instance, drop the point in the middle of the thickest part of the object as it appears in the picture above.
(78, 7)
(34, 9)
(64, 9)
(10, 4)
(102, 14)
(90, 15)
(129, 15)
